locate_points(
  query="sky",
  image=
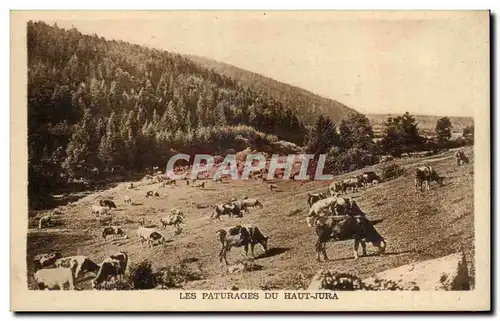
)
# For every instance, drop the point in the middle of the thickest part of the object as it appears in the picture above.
(433, 63)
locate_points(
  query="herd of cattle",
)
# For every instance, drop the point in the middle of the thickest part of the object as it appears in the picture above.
(332, 216)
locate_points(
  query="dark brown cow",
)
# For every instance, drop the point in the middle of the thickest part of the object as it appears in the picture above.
(107, 203)
(239, 236)
(371, 178)
(113, 230)
(113, 266)
(350, 227)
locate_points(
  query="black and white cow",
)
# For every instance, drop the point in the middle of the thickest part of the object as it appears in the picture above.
(239, 236)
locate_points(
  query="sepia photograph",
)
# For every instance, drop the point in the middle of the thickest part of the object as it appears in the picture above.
(250, 160)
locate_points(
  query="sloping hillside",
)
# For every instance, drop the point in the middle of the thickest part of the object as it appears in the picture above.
(416, 225)
(305, 103)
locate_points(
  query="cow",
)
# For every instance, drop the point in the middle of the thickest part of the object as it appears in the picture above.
(354, 183)
(371, 178)
(55, 279)
(114, 266)
(337, 187)
(217, 179)
(171, 182)
(176, 218)
(157, 195)
(107, 203)
(46, 260)
(99, 210)
(149, 194)
(321, 206)
(238, 206)
(345, 206)
(82, 264)
(272, 186)
(313, 198)
(350, 227)
(149, 235)
(113, 230)
(127, 199)
(198, 185)
(335, 205)
(251, 202)
(239, 236)
(461, 157)
(424, 175)
(222, 209)
(131, 186)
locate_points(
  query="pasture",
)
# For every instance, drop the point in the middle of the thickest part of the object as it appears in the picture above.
(417, 226)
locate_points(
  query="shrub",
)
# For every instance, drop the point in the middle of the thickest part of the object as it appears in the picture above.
(175, 276)
(392, 171)
(141, 276)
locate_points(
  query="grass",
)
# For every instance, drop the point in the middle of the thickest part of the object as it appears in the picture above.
(416, 225)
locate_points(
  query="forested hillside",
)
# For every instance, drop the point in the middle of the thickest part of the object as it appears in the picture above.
(305, 103)
(94, 103)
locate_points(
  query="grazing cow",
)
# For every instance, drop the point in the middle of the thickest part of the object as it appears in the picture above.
(424, 175)
(82, 264)
(55, 279)
(354, 183)
(272, 186)
(238, 236)
(313, 198)
(149, 194)
(171, 182)
(345, 206)
(107, 203)
(127, 199)
(238, 206)
(45, 221)
(371, 178)
(333, 205)
(113, 230)
(321, 206)
(199, 185)
(149, 235)
(461, 157)
(113, 266)
(222, 209)
(251, 202)
(337, 187)
(176, 218)
(99, 210)
(109, 269)
(351, 227)
(46, 260)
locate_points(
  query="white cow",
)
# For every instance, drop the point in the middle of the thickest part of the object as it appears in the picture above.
(55, 279)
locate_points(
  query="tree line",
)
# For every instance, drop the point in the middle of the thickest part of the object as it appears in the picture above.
(96, 105)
